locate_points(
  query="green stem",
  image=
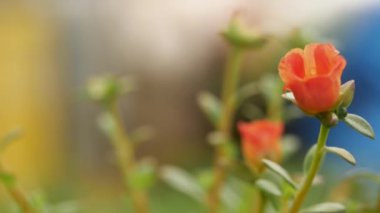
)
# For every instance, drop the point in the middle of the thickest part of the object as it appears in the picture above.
(125, 154)
(284, 204)
(18, 196)
(275, 103)
(315, 166)
(230, 82)
(261, 202)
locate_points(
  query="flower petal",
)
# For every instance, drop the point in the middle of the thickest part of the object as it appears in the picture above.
(328, 60)
(317, 94)
(291, 66)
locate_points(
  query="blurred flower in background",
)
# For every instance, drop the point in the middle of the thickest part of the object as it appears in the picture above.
(261, 139)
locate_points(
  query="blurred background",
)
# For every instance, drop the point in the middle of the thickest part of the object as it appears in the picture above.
(173, 50)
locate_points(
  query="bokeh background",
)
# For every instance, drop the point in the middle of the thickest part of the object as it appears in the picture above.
(173, 50)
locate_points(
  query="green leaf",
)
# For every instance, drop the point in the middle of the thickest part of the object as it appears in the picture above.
(325, 207)
(182, 181)
(344, 154)
(309, 158)
(360, 124)
(9, 138)
(7, 179)
(230, 196)
(276, 168)
(268, 187)
(211, 106)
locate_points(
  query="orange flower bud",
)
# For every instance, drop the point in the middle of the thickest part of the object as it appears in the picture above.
(313, 75)
(260, 139)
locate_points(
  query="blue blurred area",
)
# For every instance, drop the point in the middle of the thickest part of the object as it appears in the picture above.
(361, 47)
(359, 43)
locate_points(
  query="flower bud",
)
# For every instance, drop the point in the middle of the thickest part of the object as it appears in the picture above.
(313, 75)
(240, 36)
(106, 89)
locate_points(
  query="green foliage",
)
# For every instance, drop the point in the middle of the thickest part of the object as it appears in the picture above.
(277, 169)
(143, 176)
(360, 124)
(205, 178)
(269, 187)
(7, 179)
(183, 181)
(325, 208)
(211, 107)
(344, 154)
(309, 158)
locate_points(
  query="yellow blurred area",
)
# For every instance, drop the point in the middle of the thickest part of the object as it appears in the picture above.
(29, 95)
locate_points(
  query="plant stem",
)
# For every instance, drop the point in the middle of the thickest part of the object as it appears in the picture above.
(275, 103)
(315, 166)
(261, 201)
(230, 82)
(284, 204)
(124, 151)
(18, 196)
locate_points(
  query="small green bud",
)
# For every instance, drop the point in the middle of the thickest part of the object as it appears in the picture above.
(240, 36)
(106, 89)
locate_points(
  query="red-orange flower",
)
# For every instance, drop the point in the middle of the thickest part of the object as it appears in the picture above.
(260, 139)
(313, 75)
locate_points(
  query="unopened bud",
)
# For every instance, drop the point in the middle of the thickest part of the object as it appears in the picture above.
(241, 36)
(106, 89)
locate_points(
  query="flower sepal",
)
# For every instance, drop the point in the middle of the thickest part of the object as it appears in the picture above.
(289, 96)
(346, 94)
(329, 119)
